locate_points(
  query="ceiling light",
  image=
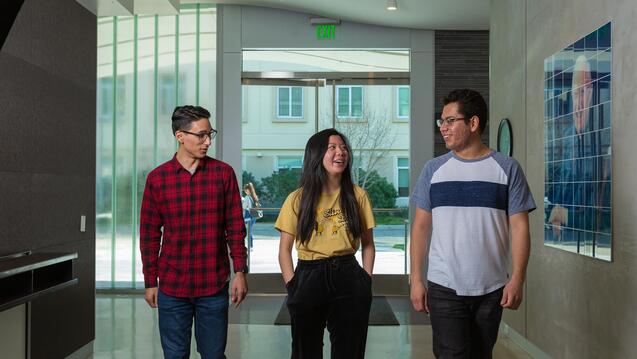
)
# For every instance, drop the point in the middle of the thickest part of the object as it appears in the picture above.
(392, 5)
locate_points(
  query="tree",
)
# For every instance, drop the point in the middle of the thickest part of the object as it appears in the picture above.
(381, 193)
(279, 185)
(371, 138)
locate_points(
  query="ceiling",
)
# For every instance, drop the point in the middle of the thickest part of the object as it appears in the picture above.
(417, 14)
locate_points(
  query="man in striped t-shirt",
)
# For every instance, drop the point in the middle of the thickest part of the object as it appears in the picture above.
(469, 201)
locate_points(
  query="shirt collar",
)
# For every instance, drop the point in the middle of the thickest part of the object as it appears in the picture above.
(176, 166)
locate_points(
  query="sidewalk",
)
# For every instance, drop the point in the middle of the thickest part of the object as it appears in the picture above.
(264, 257)
(388, 239)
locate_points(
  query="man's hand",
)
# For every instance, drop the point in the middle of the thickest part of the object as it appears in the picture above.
(151, 297)
(239, 289)
(512, 294)
(419, 296)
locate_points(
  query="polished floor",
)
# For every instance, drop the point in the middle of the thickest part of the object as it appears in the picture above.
(127, 328)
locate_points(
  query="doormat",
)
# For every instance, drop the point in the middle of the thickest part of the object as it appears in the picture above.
(381, 313)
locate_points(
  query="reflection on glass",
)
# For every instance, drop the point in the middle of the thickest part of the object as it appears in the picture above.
(578, 146)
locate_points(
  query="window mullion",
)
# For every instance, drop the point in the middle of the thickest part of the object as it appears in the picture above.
(349, 101)
(290, 114)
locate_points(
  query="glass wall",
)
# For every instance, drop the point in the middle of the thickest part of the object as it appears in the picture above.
(147, 65)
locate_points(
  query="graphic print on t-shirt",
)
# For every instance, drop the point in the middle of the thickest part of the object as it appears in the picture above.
(330, 222)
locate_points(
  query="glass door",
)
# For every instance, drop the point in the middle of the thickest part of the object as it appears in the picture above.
(278, 118)
(282, 109)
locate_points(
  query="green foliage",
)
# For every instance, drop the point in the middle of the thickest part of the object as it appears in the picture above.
(380, 191)
(278, 186)
(274, 189)
(394, 218)
(399, 246)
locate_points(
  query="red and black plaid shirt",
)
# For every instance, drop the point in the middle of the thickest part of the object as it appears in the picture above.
(201, 216)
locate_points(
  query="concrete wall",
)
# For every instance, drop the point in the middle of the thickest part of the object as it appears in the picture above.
(47, 171)
(575, 306)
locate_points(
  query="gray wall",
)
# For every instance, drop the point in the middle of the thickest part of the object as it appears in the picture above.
(47, 160)
(575, 306)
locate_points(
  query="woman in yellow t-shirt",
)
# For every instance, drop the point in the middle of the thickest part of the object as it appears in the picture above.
(328, 218)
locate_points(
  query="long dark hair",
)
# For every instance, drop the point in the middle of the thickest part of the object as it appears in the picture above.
(313, 176)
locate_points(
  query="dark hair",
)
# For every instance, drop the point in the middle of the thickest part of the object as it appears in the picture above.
(183, 116)
(313, 176)
(470, 103)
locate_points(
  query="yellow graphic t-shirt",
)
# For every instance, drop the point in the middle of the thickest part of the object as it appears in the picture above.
(330, 236)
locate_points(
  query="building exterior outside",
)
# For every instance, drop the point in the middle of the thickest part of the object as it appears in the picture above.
(278, 120)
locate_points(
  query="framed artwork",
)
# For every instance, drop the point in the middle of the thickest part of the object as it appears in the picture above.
(505, 137)
(577, 146)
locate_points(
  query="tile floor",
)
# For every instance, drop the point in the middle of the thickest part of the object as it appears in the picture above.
(127, 328)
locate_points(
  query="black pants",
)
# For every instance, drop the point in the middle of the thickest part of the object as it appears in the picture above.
(463, 326)
(335, 291)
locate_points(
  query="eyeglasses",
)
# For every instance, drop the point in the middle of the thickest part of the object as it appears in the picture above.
(448, 121)
(203, 135)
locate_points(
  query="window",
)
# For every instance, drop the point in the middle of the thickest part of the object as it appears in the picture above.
(402, 102)
(403, 176)
(142, 97)
(166, 91)
(349, 101)
(285, 163)
(289, 102)
(105, 98)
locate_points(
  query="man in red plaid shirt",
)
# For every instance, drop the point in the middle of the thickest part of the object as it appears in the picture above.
(191, 215)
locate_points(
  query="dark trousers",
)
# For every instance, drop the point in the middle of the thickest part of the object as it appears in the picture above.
(335, 291)
(463, 326)
(211, 324)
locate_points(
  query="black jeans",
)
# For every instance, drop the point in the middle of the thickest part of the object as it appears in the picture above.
(463, 326)
(335, 291)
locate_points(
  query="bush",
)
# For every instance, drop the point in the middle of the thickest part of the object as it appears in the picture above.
(274, 189)
(278, 186)
(380, 191)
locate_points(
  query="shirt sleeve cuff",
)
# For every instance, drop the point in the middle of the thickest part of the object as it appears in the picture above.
(150, 282)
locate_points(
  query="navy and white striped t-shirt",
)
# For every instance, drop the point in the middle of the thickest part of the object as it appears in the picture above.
(470, 202)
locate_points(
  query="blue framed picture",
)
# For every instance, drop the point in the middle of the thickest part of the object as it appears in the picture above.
(577, 146)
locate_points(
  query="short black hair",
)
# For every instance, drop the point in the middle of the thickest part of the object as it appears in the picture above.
(183, 116)
(470, 103)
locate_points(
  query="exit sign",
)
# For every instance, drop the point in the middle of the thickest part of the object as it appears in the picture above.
(325, 31)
